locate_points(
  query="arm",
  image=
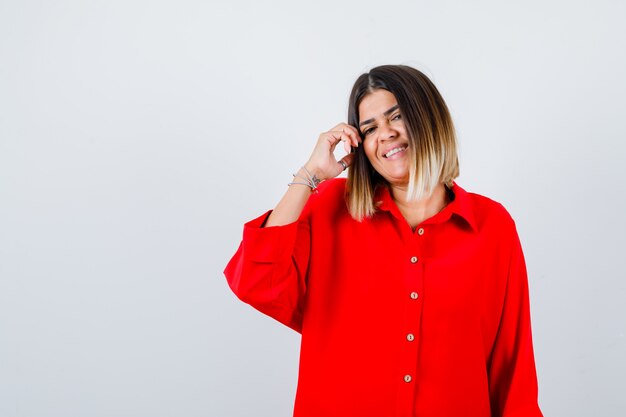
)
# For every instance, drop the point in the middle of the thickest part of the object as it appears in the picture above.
(321, 164)
(512, 373)
(268, 271)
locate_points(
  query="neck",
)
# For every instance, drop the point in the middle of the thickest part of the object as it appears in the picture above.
(417, 211)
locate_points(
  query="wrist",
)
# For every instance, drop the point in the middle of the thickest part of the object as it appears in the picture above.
(304, 176)
(312, 170)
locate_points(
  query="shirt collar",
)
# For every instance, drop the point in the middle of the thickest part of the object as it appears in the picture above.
(460, 206)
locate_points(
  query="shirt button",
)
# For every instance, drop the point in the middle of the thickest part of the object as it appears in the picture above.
(420, 231)
(410, 337)
(414, 260)
(407, 378)
(414, 295)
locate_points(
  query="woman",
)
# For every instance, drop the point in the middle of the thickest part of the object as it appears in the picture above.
(410, 293)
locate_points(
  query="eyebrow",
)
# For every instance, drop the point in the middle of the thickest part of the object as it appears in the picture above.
(386, 113)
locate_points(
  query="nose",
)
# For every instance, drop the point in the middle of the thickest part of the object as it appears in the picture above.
(386, 131)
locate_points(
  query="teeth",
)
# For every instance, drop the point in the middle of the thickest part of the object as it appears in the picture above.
(395, 151)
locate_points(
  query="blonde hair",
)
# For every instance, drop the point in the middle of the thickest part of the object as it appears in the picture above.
(433, 157)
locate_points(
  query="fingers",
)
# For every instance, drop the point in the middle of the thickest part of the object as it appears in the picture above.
(346, 146)
(342, 165)
(323, 158)
(346, 161)
(341, 133)
(346, 133)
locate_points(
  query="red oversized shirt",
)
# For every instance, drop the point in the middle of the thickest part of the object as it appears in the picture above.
(431, 323)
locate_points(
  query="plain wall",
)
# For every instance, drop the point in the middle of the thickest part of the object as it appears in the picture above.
(136, 138)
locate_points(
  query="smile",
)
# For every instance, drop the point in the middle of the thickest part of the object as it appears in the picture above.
(395, 151)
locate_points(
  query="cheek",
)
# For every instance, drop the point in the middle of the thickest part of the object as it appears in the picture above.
(370, 150)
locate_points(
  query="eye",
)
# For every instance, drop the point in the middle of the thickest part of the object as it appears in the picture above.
(397, 117)
(368, 131)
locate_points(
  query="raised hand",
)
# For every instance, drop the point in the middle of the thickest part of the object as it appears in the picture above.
(322, 162)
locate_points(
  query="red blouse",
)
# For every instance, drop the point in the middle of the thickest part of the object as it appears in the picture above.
(432, 323)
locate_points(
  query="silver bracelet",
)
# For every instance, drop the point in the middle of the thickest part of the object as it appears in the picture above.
(312, 181)
(312, 178)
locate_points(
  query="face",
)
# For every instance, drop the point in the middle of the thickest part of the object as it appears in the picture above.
(385, 139)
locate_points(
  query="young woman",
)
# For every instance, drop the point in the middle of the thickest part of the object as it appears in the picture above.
(410, 293)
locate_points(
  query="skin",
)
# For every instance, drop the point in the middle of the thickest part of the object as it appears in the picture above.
(385, 132)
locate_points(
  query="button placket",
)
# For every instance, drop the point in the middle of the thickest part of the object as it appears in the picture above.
(410, 336)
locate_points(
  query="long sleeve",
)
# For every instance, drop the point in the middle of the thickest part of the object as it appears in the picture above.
(268, 271)
(512, 373)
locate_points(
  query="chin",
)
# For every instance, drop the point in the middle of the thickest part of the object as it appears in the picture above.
(401, 175)
(396, 179)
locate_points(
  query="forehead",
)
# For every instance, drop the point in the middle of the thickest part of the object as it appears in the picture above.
(375, 104)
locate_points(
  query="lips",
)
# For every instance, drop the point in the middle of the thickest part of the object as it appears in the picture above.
(394, 151)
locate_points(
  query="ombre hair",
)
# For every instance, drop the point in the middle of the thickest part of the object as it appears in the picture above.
(432, 150)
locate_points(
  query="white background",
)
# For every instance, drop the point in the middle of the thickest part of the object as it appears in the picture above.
(136, 138)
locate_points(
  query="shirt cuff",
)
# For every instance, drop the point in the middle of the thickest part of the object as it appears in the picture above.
(268, 244)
